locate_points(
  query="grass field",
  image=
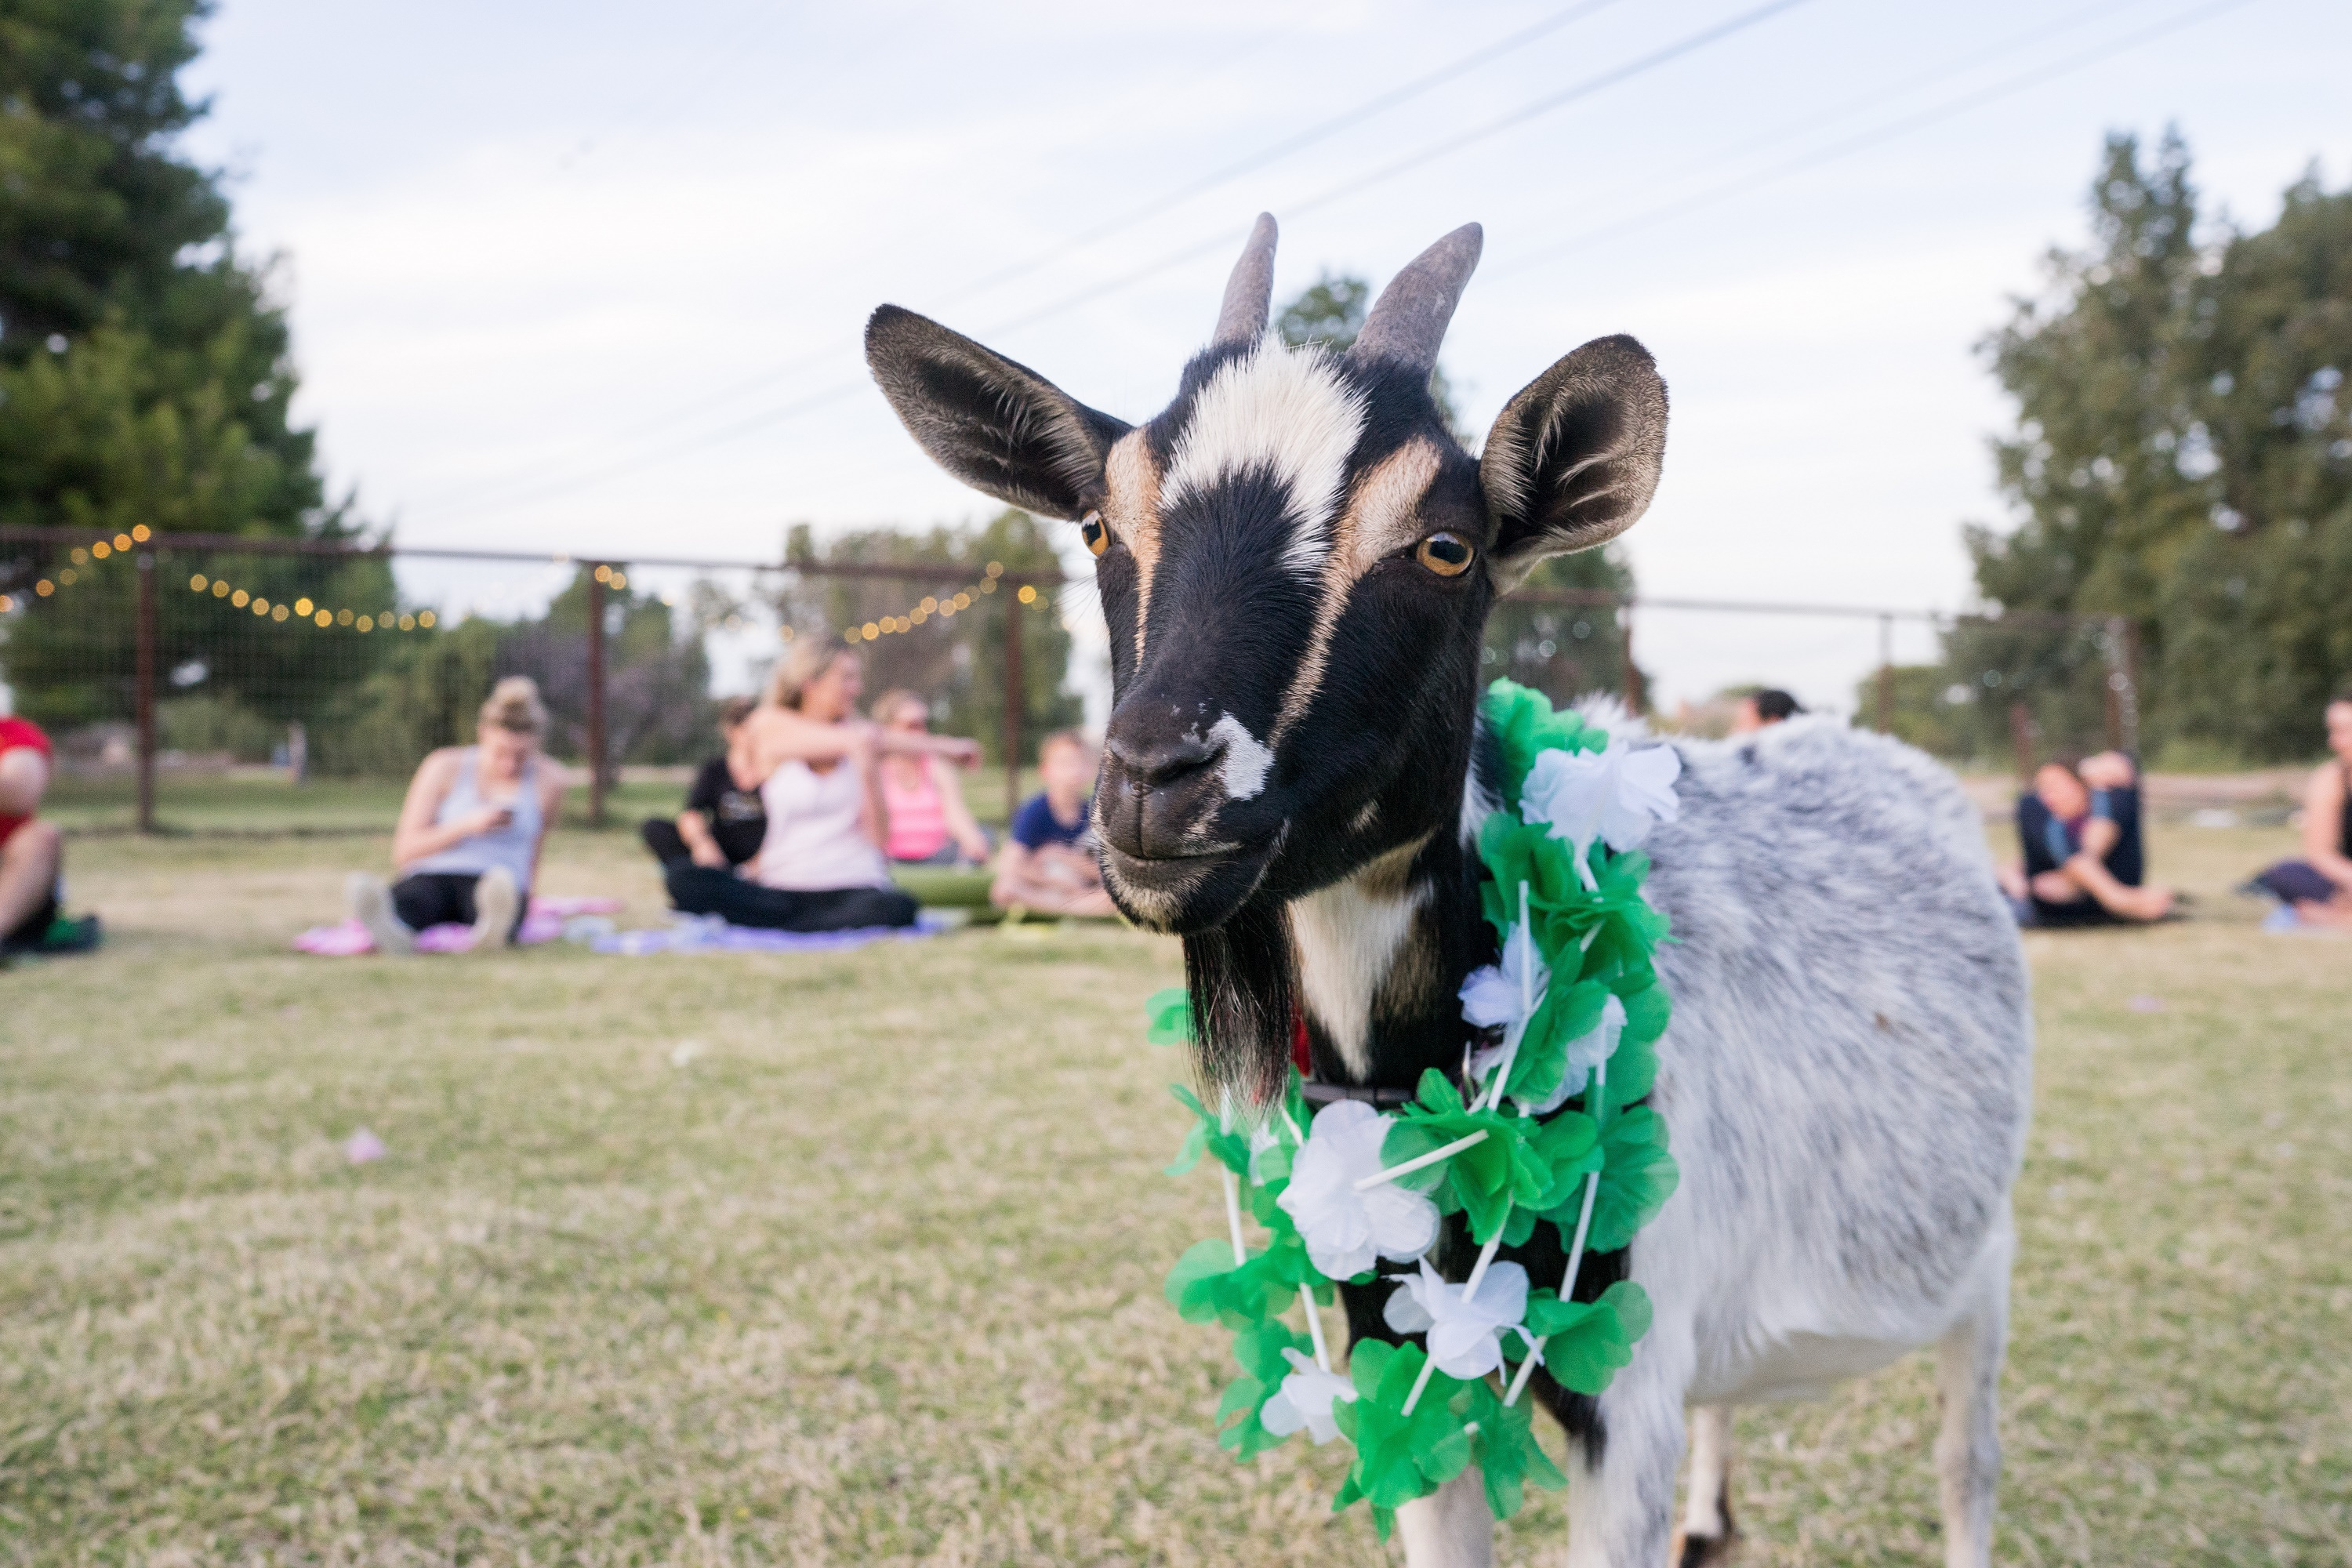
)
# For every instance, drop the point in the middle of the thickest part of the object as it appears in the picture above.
(855, 1258)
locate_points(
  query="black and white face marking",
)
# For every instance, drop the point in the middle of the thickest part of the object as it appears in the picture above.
(1296, 558)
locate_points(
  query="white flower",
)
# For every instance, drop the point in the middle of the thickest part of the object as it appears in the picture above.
(1616, 795)
(1346, 1230)
(1466, 1338)
(1305, 1400)
(1588, 1051)
(1506, 994)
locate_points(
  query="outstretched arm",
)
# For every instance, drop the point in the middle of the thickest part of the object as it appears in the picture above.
(961, 826)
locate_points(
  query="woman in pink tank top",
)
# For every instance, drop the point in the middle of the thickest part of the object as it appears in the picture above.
(928, 823)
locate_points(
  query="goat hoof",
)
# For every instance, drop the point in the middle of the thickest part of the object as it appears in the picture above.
(1703, 1551)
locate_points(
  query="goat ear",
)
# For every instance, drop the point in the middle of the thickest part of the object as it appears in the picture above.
(1573, 460)
(997, 425)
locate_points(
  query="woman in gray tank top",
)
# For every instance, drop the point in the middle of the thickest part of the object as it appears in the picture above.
(470, 831)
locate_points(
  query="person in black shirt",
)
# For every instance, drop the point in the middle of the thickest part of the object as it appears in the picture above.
(724, 822)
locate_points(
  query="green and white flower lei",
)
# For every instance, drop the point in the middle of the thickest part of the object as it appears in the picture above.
(1577, 1000)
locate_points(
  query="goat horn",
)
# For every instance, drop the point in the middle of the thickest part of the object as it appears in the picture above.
(1249, 292)
(1408, 322)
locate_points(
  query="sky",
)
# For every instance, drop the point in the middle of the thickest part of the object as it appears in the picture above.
(590, 277)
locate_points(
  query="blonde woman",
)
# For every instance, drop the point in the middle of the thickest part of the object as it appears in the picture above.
(470, 833)
(821, 866)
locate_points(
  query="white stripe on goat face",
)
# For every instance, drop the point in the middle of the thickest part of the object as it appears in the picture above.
(1285, 411)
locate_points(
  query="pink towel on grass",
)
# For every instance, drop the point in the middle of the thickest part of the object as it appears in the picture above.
(543, 922)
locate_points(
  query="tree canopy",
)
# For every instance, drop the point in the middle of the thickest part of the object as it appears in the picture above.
(2181, 458)
(146, 376)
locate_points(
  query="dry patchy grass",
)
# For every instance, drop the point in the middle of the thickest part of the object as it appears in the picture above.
(874, 1276)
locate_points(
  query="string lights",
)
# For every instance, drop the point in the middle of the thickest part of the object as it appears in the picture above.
(305, 610)
(302, 609)
(933, 605)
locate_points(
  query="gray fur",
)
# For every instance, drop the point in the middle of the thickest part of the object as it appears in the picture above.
(1846, 1081)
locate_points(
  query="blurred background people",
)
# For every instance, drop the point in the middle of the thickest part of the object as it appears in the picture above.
(921, 797)
(1759, 709)
(819, 866)
(2318, 886)
(32, 852)
(470, 832)
(1048, 865)
(724, 822)
(2083, 860)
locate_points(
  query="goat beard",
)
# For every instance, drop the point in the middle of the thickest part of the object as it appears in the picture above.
(1239, 978)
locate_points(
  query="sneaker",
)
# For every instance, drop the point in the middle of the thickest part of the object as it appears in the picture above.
(369, 903)
(497, 901)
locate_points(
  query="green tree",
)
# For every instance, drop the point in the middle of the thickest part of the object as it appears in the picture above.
(2180, 460)
(1566, 652)
(145, 375)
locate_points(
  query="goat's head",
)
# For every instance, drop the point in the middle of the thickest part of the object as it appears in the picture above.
(1295, 560)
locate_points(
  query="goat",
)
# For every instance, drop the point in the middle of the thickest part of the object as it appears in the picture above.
(1295, 560)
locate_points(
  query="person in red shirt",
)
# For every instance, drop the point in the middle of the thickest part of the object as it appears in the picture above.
(31, 852)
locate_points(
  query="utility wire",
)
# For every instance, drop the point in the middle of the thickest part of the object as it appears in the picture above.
(1323, 130)
(1876, 137)
(1368, 109)
(1444, 147)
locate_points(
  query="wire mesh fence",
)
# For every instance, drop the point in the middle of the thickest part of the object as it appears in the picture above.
(209, 683)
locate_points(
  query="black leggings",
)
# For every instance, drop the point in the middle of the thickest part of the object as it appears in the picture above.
(662, 837)
(442, 898)
(700, 890)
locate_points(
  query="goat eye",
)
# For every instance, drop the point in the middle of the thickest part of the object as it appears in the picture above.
(1091, 530)
(1447, 554)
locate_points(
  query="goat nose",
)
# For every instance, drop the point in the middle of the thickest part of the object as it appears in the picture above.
(1156, 762)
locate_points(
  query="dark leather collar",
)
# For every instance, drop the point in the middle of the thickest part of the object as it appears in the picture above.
(1321, 1094)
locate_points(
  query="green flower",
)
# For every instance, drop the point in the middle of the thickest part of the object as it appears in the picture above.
(1586, 1341)
(1504, 1449)
(1170, 1016)
(1399, 1458)
(1259, 1350)
(1208, 1287)
(1523, 724)
(1210, 1136)
(1637, 1177)
(1518, 1164)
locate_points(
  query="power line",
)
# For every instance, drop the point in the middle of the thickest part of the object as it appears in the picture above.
(1444, 147)
(1874, 138)
(1323, 130)
(1370, 109)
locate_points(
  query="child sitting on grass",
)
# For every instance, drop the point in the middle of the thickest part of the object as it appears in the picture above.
(1048, 865)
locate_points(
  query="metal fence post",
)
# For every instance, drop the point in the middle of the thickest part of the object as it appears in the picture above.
(145, 699)
(1014, 703)
(2021, 737)
(596, 694)
(1887, 675)
(1625, 646)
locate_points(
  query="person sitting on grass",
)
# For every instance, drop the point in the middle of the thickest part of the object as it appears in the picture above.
(724, 823)
(2318, 886)
(2084, 861)
(32, 852)
(930, 824)
(1048, 866)
(470, 832)
(821, 866)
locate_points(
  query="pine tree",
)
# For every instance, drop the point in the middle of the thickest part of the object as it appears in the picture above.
(145, 379)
